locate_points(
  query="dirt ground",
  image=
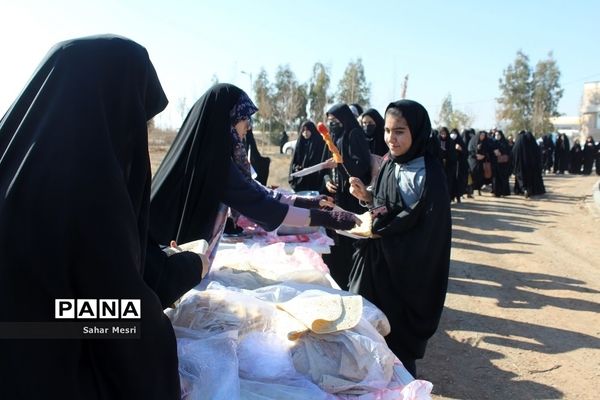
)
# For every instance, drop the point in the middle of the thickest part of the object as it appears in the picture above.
(522, 316)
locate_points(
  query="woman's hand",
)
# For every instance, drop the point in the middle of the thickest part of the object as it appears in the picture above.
(359, 190)
(330, 164)
(480, 156)
(331, 187)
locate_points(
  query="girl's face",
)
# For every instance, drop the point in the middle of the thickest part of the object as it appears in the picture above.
(306, 133)
(397, 135)
(242, 127)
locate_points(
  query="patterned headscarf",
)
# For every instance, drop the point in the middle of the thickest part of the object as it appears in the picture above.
(243, 109)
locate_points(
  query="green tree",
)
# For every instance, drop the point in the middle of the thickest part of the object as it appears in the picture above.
(451, 118)
(290, 98)
(546, 95)
(317, 93)
(516, 87)
(353, 87)
(263, 93)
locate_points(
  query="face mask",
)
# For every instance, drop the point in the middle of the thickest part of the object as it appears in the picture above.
(369, 130)
(453, 136)
(336, 129)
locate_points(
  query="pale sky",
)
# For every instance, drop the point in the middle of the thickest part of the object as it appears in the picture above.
(458, 47)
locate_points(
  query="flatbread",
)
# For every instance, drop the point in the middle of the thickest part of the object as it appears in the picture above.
(364, 230)
(323, 312)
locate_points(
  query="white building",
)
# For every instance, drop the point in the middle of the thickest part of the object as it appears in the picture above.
(590, 110)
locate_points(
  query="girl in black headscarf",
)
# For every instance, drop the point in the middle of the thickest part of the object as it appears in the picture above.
(480, 152)
(309, 151)
(74, 196)
(527, 161)
(352, 144)
(404, 270)
(372, 123)
(502, 152)
(206, 171)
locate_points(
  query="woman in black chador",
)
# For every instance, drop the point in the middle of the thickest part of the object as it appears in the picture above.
(527, 162)
(352, 144)
(448, 158)
(206, 171)
(576, 158)
(462, 167)
(404, 271)
(561, 154)
(589, 155)
(480, 152)
(500, 185)
(74, 197)
(309, 151)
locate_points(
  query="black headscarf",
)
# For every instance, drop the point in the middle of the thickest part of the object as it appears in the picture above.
(343, 113)
(191, 179)
(308, 152)
(74, 195)
(377, 141)
(417, 118)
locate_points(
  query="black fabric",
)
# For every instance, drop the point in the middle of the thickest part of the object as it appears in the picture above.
(74, 194)
(190, 181)
(308, 152)
(528, 164)
(377, 141)
(598, 158)
(354, 148)
(561, 154)
(576, 158)
(462, 170)
(259, 163)
(405, 272)
(484, 148)
(589, 155)
(502, 170)
(547, 152)
(448, 157)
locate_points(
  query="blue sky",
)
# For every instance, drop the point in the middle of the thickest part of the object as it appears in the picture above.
(458, 47)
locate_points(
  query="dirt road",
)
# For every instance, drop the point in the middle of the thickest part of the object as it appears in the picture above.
(522, 317)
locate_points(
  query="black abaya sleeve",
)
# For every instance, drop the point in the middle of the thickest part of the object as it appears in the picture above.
(170, 277)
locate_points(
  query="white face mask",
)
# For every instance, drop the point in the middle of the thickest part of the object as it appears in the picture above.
(453, 136)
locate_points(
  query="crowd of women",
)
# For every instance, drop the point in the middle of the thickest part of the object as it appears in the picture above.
(471, 161)
(81, 217)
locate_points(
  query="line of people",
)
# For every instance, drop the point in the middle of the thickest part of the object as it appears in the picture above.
(558, 157)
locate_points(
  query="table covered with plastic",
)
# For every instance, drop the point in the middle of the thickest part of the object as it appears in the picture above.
(266, 324)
